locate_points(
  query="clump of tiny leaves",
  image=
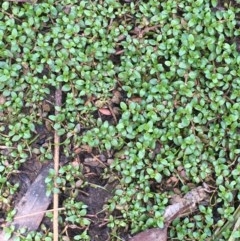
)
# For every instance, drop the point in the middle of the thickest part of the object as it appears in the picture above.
(176, 64)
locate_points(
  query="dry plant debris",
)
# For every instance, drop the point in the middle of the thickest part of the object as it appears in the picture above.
(32, 207)
(182, 207)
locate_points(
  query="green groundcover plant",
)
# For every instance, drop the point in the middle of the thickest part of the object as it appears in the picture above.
(176, 64)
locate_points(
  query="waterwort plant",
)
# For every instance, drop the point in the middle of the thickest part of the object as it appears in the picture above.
(176, 64)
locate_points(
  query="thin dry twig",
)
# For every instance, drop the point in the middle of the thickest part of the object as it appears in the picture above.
(58, 101)
(7, 147)
(20, 1)
(32, 205)
(35, 213)
(112, 112)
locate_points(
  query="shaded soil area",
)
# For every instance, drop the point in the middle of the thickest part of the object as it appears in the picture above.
(95, 193)
(98, 192)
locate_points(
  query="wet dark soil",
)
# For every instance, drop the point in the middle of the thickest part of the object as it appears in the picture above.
(95, 194)
(98, 195)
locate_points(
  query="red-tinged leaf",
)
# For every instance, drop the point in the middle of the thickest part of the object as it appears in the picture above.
(105, 111)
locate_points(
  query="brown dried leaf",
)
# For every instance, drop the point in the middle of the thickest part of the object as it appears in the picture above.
(2, 100)
(86, 148)
(67, 9)
(183, 207)
(79, 183)
(116, 111)
(77, 150)
(136, 99)
(92, 162)
(48, 125)
(172, 180)
(46, 107)
(105, 111)
(116, 99)
(154, 234)
(76, 162)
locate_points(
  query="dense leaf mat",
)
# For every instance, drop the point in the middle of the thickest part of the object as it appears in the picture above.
(175, 67)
